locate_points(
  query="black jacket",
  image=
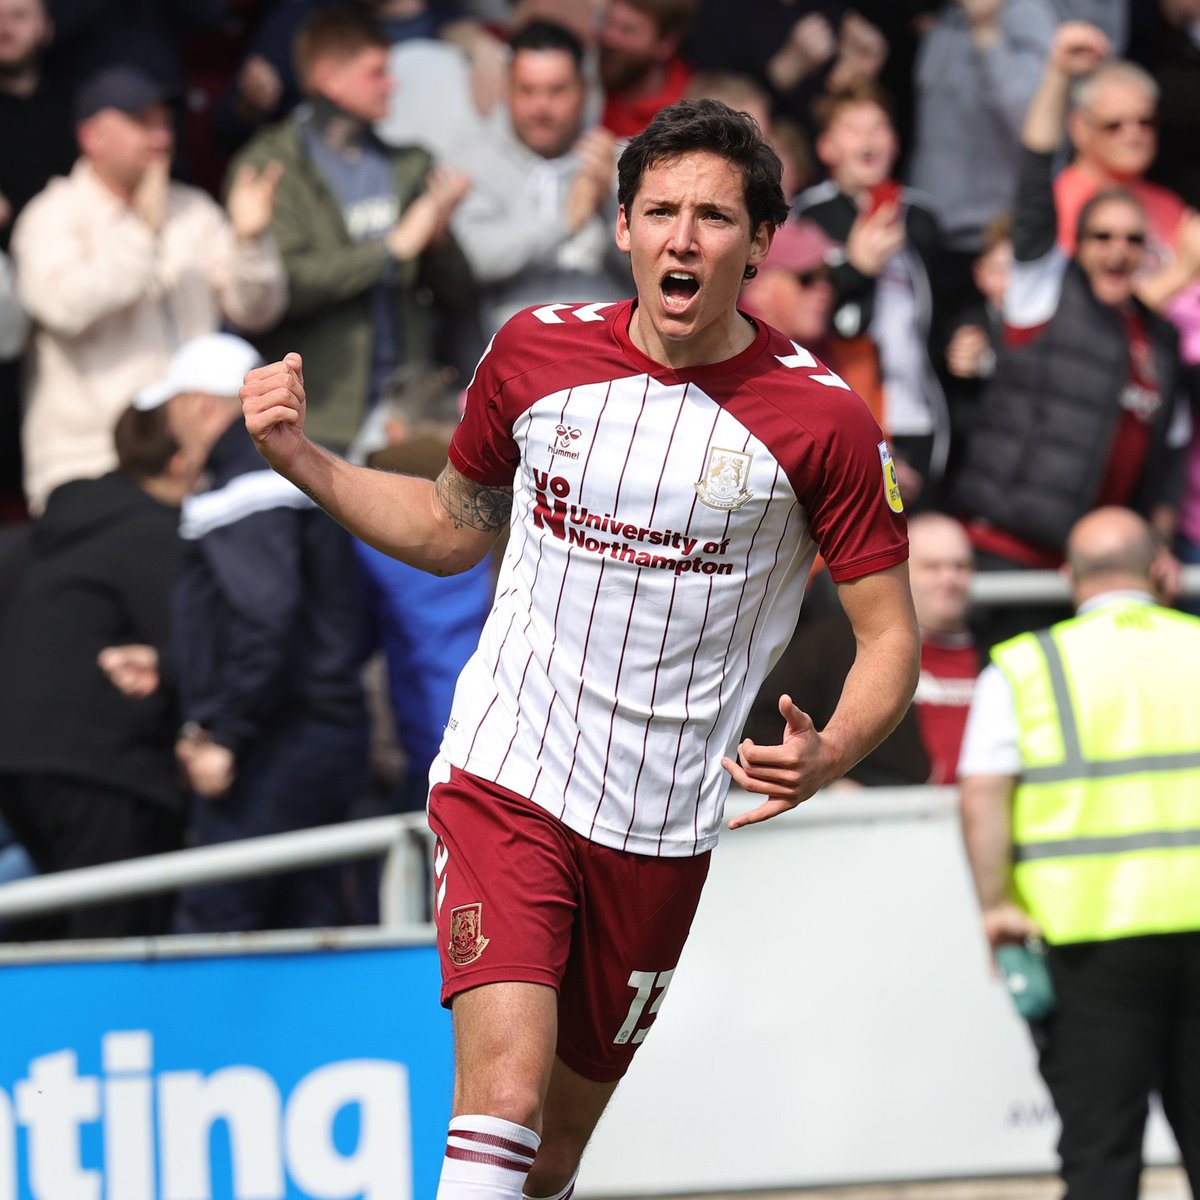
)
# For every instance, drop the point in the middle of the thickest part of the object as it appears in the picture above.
(1044, 429)
(267, 612)
(102, 559)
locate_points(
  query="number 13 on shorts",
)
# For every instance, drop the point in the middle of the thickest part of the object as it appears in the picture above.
(650, 988)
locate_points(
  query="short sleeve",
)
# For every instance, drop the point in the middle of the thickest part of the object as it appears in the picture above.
(482, 447)
(854, 507)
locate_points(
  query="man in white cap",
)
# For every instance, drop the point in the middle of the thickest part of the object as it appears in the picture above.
(267, 641)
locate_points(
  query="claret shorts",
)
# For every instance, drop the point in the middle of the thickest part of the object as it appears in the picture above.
(519, 897)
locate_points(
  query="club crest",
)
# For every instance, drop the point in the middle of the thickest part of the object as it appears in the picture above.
(467, 942)
(723, 484)
(891, 485)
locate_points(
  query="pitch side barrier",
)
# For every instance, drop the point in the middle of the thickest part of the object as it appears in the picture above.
(835, 979)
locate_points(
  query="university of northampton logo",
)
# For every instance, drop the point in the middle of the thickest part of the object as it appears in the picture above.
(891, 485)
(723, 484)
(467, 943)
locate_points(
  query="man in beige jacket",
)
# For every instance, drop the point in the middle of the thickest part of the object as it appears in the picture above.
(118, 265)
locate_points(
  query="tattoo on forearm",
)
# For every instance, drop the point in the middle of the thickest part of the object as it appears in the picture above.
(472, 504)
(314, 498)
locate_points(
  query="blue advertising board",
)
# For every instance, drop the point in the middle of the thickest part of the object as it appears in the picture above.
(323, 1075)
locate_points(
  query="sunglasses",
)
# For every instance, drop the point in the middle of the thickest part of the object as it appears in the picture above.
(808, 278)
(1121, 122)
(1109, 235)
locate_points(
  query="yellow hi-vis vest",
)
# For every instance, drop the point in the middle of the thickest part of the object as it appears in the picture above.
(1106, 815)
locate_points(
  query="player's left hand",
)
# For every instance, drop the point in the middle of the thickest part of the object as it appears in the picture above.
(787, 773)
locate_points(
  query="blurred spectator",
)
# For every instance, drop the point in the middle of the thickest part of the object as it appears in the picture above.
(796, 50)
(975, 71)
(1112, 123)
(794, 291)
(640, 65)
(924, 747)
(264, 87)
(14, 324)
(740, 92)
(362, 228)
(537, 224)
(1079, 779)
(888, 242)
(37, 137)
(267, 627)
(1166, 41)
(795, 157)
(37, 141)
(211, 58)
(116, 264)
(1079, 413)
(428, 625)
(88, 775)
(976, 333)
(1111, 16)
(424, 34)
(91, 35)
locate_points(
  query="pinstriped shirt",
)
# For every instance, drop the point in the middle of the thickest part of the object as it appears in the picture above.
(664, 524)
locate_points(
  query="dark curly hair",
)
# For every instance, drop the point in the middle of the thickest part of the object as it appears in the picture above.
(708, 125)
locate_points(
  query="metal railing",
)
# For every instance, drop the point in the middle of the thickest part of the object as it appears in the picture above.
(399, 840)
(1020, 587)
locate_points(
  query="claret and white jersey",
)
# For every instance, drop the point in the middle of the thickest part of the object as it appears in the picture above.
(664, 524)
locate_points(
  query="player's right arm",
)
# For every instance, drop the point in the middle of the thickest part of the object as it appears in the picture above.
(443, 527)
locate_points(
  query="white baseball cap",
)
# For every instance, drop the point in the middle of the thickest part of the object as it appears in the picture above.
(215, 363)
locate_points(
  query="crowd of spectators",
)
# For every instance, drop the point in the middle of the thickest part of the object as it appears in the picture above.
(993, 245)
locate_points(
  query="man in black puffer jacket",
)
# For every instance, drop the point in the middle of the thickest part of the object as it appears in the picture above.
(1080, 411)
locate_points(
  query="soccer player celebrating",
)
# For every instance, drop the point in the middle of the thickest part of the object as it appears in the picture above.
(670, 469)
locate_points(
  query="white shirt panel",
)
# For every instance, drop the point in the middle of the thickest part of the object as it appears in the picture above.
(606, 487)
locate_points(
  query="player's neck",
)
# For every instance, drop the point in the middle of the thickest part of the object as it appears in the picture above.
(714, 344)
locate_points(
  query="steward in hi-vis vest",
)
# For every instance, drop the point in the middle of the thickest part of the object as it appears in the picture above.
(1106, 813)
(1080, 780)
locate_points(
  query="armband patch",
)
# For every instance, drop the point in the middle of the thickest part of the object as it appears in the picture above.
(891, 485)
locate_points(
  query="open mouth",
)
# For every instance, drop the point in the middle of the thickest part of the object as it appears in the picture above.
(678, 288)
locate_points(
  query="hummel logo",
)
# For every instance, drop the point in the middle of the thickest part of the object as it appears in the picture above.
(548, 313)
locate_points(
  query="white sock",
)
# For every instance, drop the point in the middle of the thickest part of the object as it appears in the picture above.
(486, 1159)
(565, 1194)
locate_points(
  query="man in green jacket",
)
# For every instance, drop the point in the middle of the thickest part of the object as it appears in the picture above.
(361, 226)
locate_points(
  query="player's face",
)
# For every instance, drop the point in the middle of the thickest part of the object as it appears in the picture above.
(1117, 131)
(939, 573)
(689, 241)
(545, 101)
(360, 84)
(1111, 249)
(859, 147)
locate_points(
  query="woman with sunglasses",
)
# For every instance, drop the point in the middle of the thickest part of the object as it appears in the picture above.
(1079, 412)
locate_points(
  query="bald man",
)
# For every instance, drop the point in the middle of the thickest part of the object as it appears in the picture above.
(1080, 779)
(924, 747)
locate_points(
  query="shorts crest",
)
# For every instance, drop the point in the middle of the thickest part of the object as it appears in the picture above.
(467, 942)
